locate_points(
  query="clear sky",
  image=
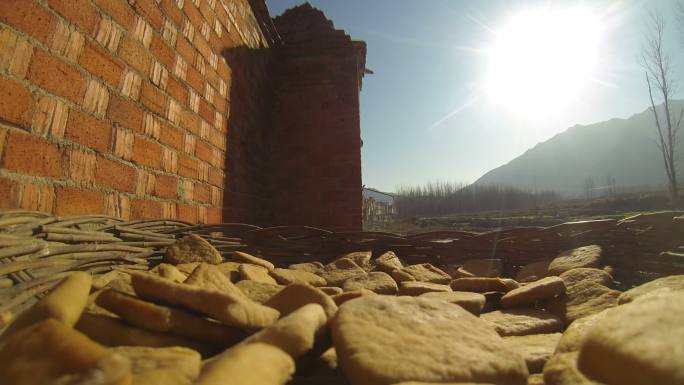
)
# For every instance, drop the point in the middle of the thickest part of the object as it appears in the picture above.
(428, 112)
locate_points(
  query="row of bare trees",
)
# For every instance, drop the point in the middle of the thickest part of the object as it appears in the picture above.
(662, 85)
(439, 198)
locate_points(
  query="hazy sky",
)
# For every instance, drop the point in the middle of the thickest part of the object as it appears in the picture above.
(428, 113)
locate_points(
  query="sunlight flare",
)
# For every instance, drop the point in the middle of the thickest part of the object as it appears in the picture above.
(542, 59)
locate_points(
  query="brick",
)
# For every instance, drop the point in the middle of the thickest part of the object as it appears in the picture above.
(120, 11)
(16, 103)
(185, 49)
(174, 111)
(171, 136)
(133, 53)
(202, 214)
(29, 154)
(9, 191)
(201, 64)
(15, 53)
(88, 131)
(169, 160)
(3, 136)
(145, 184)
(151, 126)
(169, 210)
(28, 16)
(56, 76)
(80, 12)
(145, 209)
(51, 117)
(153, 98)
(176, 89)
(143, 31)
(169, 33)
(96, 97)
(203, 171)
(206, 9)
(159, 75)
(146, 152)
(170, 9)
(216, 196)
(221, 104)
(189, 143)
(115, 175)
(180, 67)
(194, 101)
(108, 34)
(67, 41)
(187, 213)
(209, 93)
(131, 84)
(204, 151)
(191, 122)
(162, 51)
(195, 79)
(193, 13)
(38, 197)
(202, 46)
(216, 177)
(187, 189)
(187, 166)
(101, 64)
(81, 166)
(150, 10)
(125, 113)
(74, 201)
(202, 193)
(123, 143)
(166, 187)
(214, 215)
(206, 111)
(117, 205)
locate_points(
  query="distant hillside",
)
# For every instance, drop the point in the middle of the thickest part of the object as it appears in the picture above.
(624, 149)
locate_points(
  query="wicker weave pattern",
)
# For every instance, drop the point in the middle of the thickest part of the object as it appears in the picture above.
(37, 250)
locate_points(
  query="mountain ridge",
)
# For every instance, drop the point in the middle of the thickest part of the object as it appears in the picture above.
(623, 149)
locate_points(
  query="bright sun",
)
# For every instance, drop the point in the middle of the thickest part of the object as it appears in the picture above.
(542, 59)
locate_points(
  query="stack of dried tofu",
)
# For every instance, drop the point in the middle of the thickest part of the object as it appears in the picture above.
(361, 319)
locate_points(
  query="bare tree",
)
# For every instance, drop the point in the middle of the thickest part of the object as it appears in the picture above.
(661, 86)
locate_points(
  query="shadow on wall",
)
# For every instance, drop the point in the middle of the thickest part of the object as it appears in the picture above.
(247, 193)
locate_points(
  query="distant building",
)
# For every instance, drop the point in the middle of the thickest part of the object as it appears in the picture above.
(378, 206)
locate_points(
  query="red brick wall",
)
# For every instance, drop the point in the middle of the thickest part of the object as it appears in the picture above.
(188, 109)
(108, 107)
(317, 138)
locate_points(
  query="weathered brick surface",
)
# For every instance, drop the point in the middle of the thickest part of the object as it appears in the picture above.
(146, 152)
(151, 108)
(115, 175)
(118, 10)
(56, 76)
(28, 16)
(77, 201)
(80, 12)
(32, 155)
(126, 113)
(89, 131)
(133, 53)
(9, 190)
(16, 102)
(101, 64)
(146, 209)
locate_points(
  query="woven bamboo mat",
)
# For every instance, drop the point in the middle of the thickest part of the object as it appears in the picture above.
(37, 249)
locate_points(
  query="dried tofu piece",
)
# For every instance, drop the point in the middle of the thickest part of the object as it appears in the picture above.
(161, 366)
(65, 303)
(50, 352)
